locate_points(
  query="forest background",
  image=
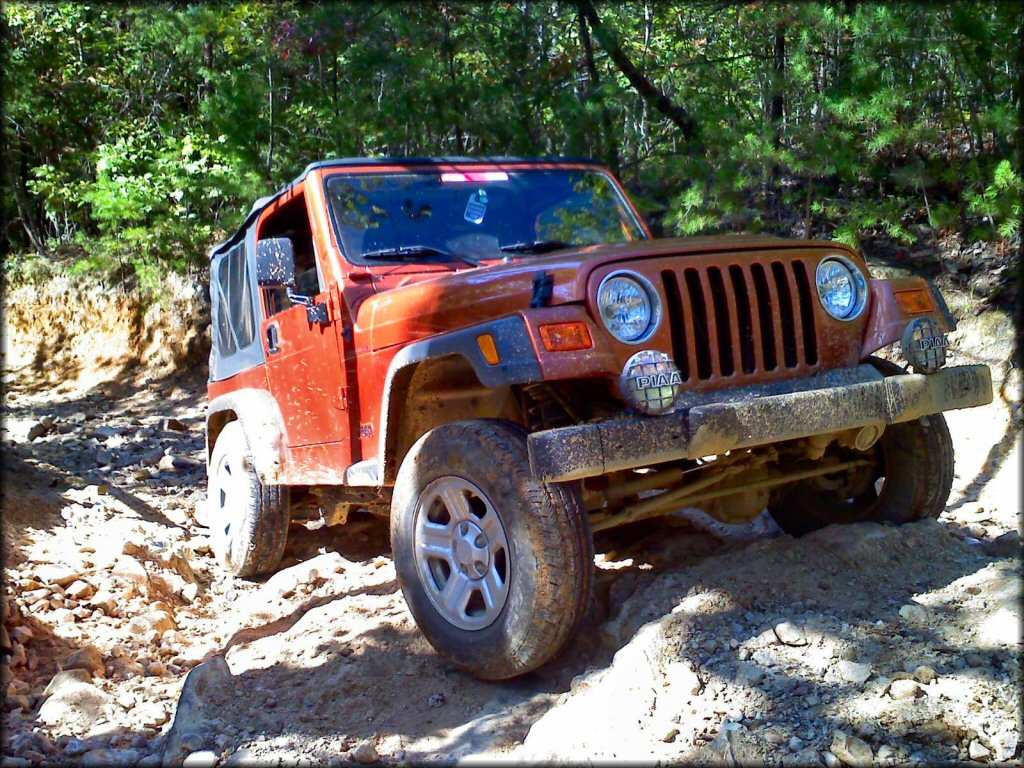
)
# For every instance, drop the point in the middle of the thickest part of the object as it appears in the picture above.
(136, 137)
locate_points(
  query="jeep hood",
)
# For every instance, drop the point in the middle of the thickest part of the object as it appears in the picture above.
(419, 306)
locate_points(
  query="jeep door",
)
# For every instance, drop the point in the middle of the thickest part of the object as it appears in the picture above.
(305, 354)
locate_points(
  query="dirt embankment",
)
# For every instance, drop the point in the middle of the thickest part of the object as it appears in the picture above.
(62, 338)
(705, 643)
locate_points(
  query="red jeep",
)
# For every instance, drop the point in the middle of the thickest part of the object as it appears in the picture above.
(497, 354)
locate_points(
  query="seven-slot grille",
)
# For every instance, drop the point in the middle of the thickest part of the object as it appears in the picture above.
(742, 319)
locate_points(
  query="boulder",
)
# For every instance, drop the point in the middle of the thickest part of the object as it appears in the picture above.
(365, 752)
(76, 707)
(789, 633)
(193, 722)
(151, 458)
(749, 673)
(854, 672)
(88, 658)
(79, 590)
(130, 569)
(914, 612)
(978, 752)
(733, 746)
(154, 621)
(150, 713)
(174, 558)
(67, 679)
(243, 757)
(55, 574)
(204, 758)
(172, 461)
(33, 596)
(284, 583)
(905, 689)
(105, 600)
(1006, 545)
(850, 750)
(114, 758)
(924, 674)
(808, 756)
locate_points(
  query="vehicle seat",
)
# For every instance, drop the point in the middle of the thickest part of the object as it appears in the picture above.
(308, 283)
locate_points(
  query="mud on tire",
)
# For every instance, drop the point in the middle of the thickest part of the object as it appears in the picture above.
(915, 458)
(524, 583)
(248, 520)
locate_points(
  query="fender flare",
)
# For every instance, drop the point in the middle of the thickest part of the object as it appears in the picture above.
(262, 425)
(518, 364)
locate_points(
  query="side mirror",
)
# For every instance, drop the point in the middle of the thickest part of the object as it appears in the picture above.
(275, 262)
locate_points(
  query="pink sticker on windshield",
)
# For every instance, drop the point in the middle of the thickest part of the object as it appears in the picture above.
(474, 176)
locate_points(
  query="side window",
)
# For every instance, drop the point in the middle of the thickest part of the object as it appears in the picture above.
(291, 220)
(236, 326)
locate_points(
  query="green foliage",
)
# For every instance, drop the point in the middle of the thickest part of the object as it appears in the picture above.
(137, 137)
(1000, 201)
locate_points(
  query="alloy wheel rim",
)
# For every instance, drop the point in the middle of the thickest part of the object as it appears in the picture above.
(226, 503)
(462, 554)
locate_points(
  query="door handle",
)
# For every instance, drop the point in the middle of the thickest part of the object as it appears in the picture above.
(272, 339)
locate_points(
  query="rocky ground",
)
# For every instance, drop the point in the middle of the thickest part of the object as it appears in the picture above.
(705, 643)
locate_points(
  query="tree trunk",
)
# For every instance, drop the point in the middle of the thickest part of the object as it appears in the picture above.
(449, 51)
(778, 82)
(652, 95)
(611, 146)
(270, 139)
(35, 237)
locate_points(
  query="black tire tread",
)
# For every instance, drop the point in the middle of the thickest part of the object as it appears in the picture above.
(923, 451)
(562, 543)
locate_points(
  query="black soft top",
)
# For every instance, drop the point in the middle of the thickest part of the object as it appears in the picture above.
(348, 162)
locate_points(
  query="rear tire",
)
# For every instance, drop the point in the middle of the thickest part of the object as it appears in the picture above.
(914, 469)
(496, 566)
(248, 520)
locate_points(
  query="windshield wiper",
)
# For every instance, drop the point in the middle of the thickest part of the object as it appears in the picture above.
(537, 246)
(415, 253)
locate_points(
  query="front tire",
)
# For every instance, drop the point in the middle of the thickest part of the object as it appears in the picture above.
(910, 480)
(496, 566)
(248, 520)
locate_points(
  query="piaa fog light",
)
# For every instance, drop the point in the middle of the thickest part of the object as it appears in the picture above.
(924, 345)
(650, 382)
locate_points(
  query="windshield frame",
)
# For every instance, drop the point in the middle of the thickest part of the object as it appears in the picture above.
(541, 167)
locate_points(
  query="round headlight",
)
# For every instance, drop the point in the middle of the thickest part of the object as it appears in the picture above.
(841, 287)
(629, 308)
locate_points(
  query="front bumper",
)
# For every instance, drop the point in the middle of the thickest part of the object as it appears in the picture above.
(822, 404)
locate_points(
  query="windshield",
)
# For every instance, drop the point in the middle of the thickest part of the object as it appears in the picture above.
(431, 216)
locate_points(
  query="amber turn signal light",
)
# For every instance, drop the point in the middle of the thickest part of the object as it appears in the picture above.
(489, 348)
(565, 337)
(915, 301)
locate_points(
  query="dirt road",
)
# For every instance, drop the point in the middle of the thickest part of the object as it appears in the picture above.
(856, 645)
